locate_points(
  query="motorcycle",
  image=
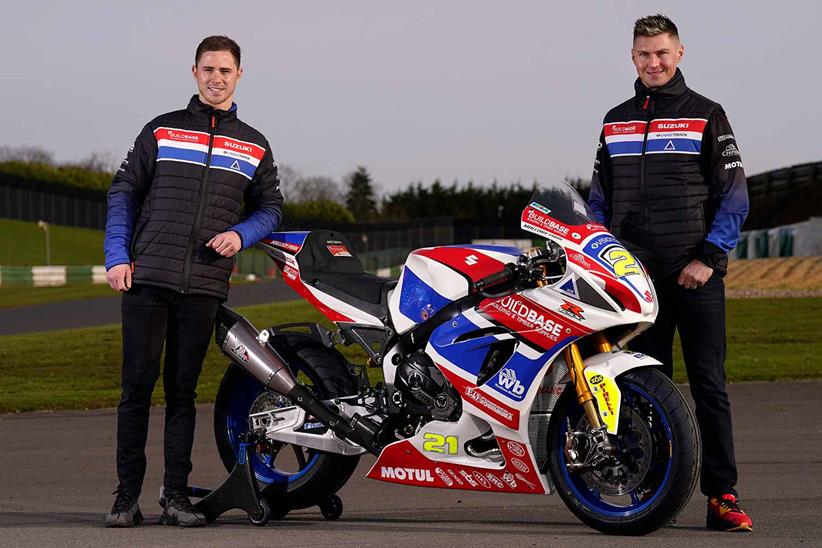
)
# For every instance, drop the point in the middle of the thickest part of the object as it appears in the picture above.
(504, 371)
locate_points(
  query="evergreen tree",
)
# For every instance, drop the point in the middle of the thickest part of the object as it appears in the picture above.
(360, 197)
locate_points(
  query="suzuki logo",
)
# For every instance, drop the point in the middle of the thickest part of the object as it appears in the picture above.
(508, 382)
(471, 260)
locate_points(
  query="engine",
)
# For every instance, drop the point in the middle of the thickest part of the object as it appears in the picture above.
(425, 390)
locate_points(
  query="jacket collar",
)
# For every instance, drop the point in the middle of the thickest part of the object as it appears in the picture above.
(201, 110)
(674, 88)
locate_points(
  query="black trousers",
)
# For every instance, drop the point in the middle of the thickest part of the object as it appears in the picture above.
(699, 315)
(152, 315)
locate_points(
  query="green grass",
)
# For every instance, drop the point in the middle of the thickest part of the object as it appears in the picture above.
(23, 244)
(24, 295)
(769, 339)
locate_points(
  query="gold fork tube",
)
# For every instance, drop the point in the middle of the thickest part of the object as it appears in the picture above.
(602, 343)
(575, 367)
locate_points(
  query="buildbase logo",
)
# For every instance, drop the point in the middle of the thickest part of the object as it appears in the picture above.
(406, 474)
(507, 383)
(529, 314)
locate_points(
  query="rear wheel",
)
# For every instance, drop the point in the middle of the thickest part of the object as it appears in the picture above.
(654, 470)
(291, 476)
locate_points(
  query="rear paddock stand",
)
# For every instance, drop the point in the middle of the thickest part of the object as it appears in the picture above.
(239, 491)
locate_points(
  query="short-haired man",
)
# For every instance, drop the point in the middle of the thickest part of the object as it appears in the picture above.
(668, 181)
(198, 186)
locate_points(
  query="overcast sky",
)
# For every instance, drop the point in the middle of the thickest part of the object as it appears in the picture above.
(469, 90)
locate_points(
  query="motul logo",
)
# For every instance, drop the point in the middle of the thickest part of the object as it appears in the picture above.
(402, 474)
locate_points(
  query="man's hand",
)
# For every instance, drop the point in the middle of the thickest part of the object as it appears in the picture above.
(226, 244)
(119, 277)
(694, 275)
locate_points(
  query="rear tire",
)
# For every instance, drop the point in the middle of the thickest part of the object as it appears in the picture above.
(658, 441)
(319, 475)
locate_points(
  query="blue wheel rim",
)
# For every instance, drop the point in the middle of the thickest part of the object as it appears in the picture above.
(590, 497)
(243, 394)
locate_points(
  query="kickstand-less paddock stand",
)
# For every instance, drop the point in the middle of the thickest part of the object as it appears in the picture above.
(239, 491)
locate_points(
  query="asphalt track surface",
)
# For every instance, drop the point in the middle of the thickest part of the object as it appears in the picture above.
(57, 473)
(106, 310)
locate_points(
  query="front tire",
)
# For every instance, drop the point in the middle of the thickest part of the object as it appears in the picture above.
(291, 476)
(658, 454)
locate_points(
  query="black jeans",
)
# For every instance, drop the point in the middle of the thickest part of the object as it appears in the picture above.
(152, 315)
(699, 314)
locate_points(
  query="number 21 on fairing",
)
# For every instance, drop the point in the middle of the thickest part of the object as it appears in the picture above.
(621, 260)
(437, 443)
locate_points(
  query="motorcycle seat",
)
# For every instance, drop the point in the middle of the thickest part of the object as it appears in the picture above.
(328, 262)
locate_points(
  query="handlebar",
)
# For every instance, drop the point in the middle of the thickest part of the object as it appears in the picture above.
(496, 278)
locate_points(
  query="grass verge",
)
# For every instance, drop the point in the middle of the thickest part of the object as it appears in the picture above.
(23, 244)
(769, 339)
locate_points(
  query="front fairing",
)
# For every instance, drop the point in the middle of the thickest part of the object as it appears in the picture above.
(600, 273)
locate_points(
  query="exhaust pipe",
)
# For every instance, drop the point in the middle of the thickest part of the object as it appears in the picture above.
(240, 341)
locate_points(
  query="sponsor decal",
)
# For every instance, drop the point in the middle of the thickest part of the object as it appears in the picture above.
(606, 397)
(677, 125)
(312, 425)
(476, 396)
(526, 482)
(338, 250)
(579, 259)
(571, 310)
(732, 165)
(568, 288)
(730, 150)
(236, 165)
(596, 379)
(529, 315)
(725, 137)
(670, 146)
(293, 248)
(468, 478)
(481, 479)
(508, 478)
(290, 273)
(237, 146)
(495, 480)
(516, 448)
(601, 241)
(176, 135)
(471, 260)
(538, 206)
(437, 443)
(575, 235)
(507, 383)
(541, 220)
(403, 474)
(444, 477)
(648, 297)
(241, 352)
(455, 476)
(519, 465)
(427, 311)
(556, 390)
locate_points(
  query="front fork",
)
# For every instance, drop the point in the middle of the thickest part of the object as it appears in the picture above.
(599, 446)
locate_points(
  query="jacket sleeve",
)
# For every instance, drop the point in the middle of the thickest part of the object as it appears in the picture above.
(263, 203)
(599, 198)
(727, 187)
(125, 197)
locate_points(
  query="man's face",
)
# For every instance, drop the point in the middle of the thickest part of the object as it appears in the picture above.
(217, 75)
(656, 58)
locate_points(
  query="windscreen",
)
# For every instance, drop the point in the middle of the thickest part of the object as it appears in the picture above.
(562, 203)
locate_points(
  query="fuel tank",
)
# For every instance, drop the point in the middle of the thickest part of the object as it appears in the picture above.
(433, 277)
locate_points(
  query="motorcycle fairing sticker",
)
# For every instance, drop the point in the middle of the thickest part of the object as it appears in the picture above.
(608, 396)
(468, 261)
(618, 261)
(291, 242)
(482, 400)
(418, 300)
(403, 463)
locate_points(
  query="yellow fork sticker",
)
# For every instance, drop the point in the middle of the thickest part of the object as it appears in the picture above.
(608, 396)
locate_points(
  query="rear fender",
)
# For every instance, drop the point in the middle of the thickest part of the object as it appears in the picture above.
(601, 371)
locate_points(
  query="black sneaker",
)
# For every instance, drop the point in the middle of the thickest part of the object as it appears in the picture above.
(179, 511)
(126, 511)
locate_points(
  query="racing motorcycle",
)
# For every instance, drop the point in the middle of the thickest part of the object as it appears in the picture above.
(504, 371)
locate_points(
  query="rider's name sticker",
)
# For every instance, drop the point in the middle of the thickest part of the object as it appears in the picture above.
(339, 251)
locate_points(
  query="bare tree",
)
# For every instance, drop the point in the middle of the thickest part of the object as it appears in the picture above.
(104, 162)
(311, 189)
(29, 154)
(288, 176)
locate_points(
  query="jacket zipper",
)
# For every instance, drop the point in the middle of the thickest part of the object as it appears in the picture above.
(198, 215)
(646, 208)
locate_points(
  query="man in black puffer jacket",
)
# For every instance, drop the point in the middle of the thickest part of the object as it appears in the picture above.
(198, 186)
(668, 181)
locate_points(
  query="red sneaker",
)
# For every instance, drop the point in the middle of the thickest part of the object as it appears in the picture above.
(725, 514)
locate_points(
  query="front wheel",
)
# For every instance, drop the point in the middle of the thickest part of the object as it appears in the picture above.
(654, 469)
